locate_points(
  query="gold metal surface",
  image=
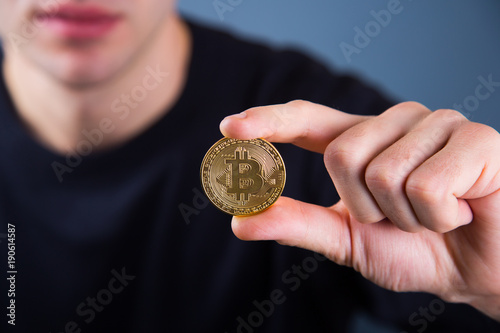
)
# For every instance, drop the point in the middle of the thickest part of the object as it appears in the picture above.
(242, 177)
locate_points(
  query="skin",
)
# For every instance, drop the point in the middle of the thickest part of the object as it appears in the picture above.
(420, 198)
(420, 189)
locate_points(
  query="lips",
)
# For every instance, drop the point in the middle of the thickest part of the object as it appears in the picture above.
(79, 22)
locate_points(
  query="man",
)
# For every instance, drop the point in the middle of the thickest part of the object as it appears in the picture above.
(106, 110)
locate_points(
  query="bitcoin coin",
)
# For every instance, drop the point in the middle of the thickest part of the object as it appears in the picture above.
(242, 177)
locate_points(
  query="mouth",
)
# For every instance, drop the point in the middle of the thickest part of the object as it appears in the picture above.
(79, 22)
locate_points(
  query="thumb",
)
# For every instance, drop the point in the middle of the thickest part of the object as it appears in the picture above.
(295, 223)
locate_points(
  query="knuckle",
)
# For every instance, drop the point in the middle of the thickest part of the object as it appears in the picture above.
(409, 106)
(426, 192)
(381, 178)
(341, 154)
(422, 189)
(482, 132)
(486, 130)
(297, 109)
(491, 136)
(449, 116)
(299, 104)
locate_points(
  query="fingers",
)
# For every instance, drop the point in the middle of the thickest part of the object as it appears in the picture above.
(400, 176)
(305, 124)
(415, 167)
(388, 172)
(466, 168)
(295, 223)
(348, 157)
(423, 179)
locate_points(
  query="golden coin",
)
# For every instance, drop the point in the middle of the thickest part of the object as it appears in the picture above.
(242, 177)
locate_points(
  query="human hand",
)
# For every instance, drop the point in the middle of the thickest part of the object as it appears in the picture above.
(420, 197)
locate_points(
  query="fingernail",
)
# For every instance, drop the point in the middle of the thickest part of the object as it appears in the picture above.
(225, 121)
(241, 115)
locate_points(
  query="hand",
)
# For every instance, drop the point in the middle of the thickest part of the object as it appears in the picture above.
(420, 198)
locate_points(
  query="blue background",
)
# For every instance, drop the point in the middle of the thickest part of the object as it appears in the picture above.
(432, 51)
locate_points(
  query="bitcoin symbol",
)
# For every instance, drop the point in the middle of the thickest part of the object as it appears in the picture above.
(246, 176)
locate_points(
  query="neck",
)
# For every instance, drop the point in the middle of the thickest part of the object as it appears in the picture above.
(62, 117)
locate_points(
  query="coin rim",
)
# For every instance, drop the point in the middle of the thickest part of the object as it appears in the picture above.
(236, 210)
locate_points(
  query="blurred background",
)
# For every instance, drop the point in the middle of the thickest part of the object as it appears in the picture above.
(444, 54)
(433, 52)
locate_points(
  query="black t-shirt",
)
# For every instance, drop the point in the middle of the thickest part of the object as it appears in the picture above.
(124, 240)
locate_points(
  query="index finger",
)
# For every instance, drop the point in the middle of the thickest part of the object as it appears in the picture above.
(305, 124)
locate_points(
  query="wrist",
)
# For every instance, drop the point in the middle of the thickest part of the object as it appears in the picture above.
(489, 305)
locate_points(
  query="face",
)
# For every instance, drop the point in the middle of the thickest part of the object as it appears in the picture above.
(81, 42)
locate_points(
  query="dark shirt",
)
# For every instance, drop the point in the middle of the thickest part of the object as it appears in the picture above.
(124, 240)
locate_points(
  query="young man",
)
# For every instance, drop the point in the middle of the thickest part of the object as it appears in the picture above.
(106, 110)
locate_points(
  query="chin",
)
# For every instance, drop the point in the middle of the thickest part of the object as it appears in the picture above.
(85, 75)
(82, 68)
(83, 81)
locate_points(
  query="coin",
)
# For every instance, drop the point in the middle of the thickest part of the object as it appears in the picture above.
(243, 177)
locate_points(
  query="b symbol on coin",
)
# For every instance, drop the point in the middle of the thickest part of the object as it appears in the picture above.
(245, 176)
